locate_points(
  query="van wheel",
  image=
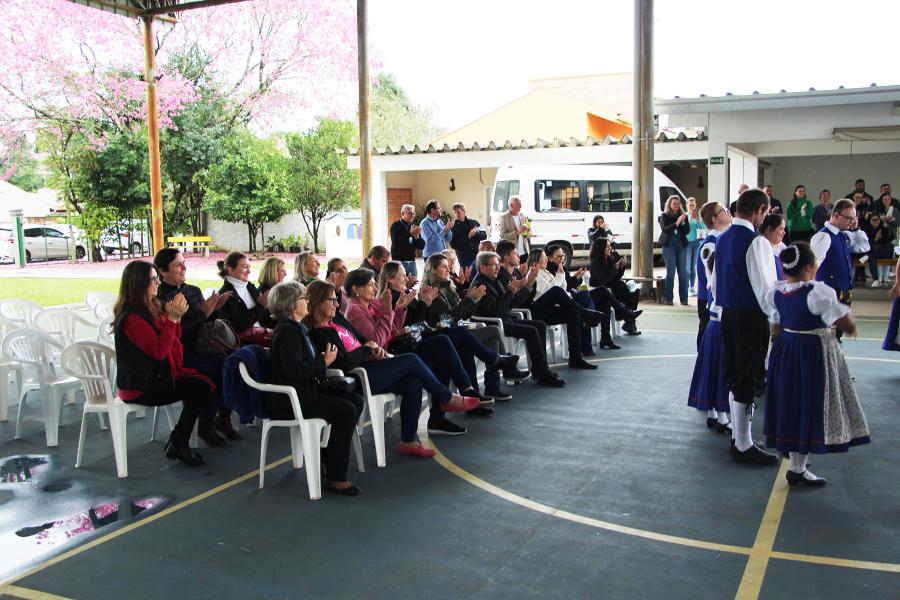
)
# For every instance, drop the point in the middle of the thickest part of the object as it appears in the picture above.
(79, 252)
(27, 256)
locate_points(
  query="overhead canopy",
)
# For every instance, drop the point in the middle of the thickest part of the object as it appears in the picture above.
(148, 8)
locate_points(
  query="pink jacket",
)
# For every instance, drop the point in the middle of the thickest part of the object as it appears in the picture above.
(375, 322)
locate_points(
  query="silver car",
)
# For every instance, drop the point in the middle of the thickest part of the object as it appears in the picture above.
(42, 242)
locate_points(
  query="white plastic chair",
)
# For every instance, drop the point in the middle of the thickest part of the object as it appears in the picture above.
(92, 363)
(7, 367)
(103, 310)
(92, 299)
(60, 323)
(105, 334)
(20, 311)
(375, 403)
(511, 343)
(32, 348)
(307, 435)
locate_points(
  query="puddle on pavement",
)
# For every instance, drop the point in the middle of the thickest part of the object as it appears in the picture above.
(41, 516)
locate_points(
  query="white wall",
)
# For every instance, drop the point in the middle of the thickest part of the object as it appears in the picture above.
(233, 236)
(837, 173)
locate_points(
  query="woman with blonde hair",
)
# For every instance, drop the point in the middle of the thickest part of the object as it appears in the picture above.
(271, 273)
(306, 267)
(674, 241)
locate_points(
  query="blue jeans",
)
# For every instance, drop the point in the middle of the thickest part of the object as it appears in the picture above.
(674, 254)
(405, 375)
(411, 268)
(469, 348)
(693, 250)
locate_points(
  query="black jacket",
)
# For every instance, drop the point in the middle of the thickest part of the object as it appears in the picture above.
(496, 300)
(466, 247)
(521, 298)
(345, 361)
(448, 302)
(235, 311)
(292, 363)
(667, 223)
(604, 272)
(193, 318)
(137, 371)
(404, 245)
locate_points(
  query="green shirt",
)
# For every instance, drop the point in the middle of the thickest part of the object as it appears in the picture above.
(799, 214)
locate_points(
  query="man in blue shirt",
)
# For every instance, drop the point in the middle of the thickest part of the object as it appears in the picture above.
(434, 231)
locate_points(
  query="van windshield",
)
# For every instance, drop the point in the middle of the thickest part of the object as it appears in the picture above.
(502, 191)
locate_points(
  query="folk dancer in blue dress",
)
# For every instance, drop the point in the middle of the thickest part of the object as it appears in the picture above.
(745, 273)
(811, 405)
(709, 391)
(834, 245)
(892, 338)
(717, 220)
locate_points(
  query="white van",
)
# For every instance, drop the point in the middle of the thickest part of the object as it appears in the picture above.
(562, 200)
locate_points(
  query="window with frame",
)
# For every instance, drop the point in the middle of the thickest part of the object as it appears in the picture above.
(53, 233)
(557, 195)
(503, 190)
(608, 196)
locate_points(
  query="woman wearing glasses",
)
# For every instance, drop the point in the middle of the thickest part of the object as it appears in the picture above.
(405, 375)
(294, 361)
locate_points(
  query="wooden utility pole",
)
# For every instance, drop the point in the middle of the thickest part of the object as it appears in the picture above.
(642, 191)
(156, 207)
(365, 143)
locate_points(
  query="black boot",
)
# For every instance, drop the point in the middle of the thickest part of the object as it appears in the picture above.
(208, 433)
(223, 424)
(181, 449)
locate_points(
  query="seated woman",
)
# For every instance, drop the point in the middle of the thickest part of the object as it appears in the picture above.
(881, 245)
(467, 344)
(559, 277)
(377, 321)
(271, 274)
(306, 267)
(293, 361)
(405, 375)
(460, 279)
(772, 228)
(246, 308)
(607, 288)
(149, 354)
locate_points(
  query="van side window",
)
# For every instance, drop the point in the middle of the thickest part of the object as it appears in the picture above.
(557, 196)
(608, 196)
(502, 192)
(665, 192)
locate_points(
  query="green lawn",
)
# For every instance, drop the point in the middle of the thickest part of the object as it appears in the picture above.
(49, 292)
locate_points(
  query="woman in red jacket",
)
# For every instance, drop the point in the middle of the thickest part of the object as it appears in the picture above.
(149, 354)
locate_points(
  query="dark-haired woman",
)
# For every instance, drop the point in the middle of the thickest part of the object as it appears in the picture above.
(772, 228)
(374, 318)
(881, 245)
(246, 308)
(294, 361)
(149, 354)
(799, 213)
(405, 375)
(811, 404)
(608, 290)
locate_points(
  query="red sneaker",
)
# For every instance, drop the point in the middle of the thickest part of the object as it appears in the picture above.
(418, 450)
(468, 404)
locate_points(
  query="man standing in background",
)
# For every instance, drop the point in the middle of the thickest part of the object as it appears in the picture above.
(435, 232)
(406, 238)
(466, 234)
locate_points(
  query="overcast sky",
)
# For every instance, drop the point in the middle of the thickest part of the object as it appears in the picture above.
(468, 57)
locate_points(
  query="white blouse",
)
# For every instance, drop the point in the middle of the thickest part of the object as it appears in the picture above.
(822, 300)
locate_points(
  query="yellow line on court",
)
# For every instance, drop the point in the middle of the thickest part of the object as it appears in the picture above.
(139, 523)
(755, 571)
(16, 591)
(838, 562)
(568, 516)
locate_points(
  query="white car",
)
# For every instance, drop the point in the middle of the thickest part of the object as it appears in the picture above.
(42, 242)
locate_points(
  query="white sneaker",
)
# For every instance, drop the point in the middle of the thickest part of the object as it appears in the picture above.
(863, 259)
(876, 284)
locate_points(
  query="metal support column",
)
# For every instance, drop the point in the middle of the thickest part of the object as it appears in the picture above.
(365, 149)
(156, 207)
(642, 192)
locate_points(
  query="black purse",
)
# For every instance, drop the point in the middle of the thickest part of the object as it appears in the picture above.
(407, 340)
(336, 384)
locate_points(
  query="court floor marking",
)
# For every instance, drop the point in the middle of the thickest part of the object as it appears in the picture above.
(28, 594)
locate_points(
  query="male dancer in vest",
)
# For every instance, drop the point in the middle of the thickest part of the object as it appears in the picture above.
(744, 272)
(833, 245)
(717, 219)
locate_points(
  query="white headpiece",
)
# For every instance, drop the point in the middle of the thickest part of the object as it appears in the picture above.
(793, 263)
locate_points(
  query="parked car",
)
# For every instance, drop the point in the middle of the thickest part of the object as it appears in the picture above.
(132, 235)
(43, 242)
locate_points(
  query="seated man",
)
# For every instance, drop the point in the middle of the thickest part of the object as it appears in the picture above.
(548, 303)
(172, 271)
(496, 303)
(378, 256)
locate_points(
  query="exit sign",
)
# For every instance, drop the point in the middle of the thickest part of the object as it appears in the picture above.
(717, 160)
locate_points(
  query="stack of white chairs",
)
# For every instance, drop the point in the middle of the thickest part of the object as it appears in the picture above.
(21, 312)
(92, 364)
(103, 310)
(32, 349)
(92, 299)
(104, 332)
(7, 367)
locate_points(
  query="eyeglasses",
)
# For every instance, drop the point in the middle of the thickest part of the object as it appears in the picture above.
(333, 300)
(849, 218)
